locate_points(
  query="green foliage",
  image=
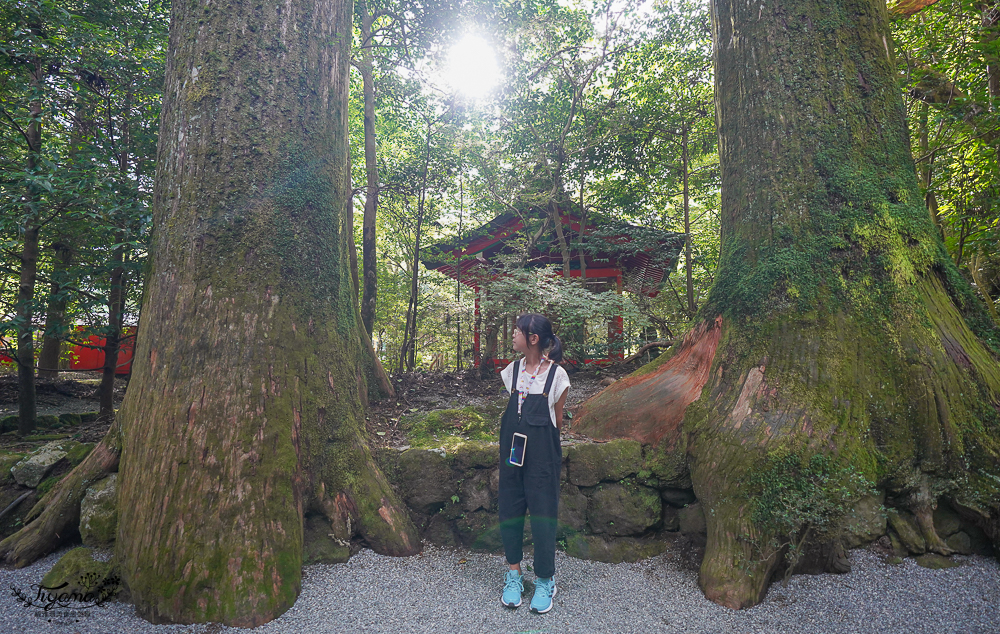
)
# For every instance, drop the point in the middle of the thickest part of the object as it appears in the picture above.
(795, 497)
(89, 78)
(948, 55)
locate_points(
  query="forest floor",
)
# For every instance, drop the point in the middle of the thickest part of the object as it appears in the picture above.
(425, 391)
(76, 392)
(72, 393)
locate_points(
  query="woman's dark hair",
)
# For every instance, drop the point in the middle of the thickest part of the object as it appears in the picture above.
(532, 324)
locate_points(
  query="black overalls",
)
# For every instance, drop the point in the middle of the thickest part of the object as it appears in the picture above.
(535, 486)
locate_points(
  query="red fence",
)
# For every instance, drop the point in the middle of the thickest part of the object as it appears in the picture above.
(90, 357)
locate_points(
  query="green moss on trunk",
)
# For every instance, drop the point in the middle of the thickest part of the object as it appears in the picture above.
(245, 409)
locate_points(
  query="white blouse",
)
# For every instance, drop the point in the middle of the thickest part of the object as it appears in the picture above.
(559, 384)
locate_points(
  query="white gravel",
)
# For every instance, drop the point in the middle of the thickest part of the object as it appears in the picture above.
(452, 591)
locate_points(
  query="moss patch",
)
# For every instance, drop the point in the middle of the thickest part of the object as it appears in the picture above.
(88, 579)
(449, 428)
(78, 452)
(8, 460)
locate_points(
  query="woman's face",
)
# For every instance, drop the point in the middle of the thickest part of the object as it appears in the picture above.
(522, 343)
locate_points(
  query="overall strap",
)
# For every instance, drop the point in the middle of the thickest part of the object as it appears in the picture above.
(513, 381)
(553, 368)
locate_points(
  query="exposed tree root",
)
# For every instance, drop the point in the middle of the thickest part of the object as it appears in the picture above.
(649, 405)
(56, 517)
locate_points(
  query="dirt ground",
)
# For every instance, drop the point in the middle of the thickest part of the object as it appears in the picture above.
(424, 391)
(72, 393)
(76, 392)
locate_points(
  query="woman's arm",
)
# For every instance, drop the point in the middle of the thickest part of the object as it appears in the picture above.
(559, 408)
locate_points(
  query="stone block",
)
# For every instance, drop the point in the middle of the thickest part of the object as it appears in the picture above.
(87, 580)
(425, 480)
(865, 522)
(671, 518)
(319, 546)
(960, 543)
(474, 493)
(47, 421)
(618, 510)
(440, 532)
(592, 463)
(8, 423)
(935, 561)
(33, 468)
(946, 521)
(480, 531)
(99, 512)
(691, 520)
(572, 509)
(477, 455)
(613, 551)
(70, 419)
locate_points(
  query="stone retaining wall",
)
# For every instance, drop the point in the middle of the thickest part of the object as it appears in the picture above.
(615, 501)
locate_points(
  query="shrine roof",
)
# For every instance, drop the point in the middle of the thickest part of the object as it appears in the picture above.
(642, 254)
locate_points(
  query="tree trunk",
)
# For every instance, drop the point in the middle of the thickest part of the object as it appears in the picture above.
(55, 316)
(555, 216)
(112, 339)
(407, 354)
(582, 234)
(844, 330)
(369, 261)
(685, 172)
(244, 415)
(25, 309)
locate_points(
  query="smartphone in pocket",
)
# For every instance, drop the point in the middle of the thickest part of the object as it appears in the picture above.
(517, 450)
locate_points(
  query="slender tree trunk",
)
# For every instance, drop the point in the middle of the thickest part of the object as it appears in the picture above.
(837, 326)
(369, 261)
(55, 315)
(685, 171)
(458, 276)
(991, 18)
(556, 217)
(24, 309)
(583, 233)
(112, 340)
(244, 416)
(407, 357)
(983, 288)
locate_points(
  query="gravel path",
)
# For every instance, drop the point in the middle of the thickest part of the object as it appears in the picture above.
(451, 591)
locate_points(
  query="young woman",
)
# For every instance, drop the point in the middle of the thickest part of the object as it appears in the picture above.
(538, 389)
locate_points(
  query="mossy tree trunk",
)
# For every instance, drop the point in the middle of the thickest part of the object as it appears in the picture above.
(55, 315)
(244, 415)
(845, 331)
(244, 412)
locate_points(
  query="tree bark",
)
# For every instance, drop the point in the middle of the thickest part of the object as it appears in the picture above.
(407, 354)
(244, 414)
(25, 309)
(844, 330)
(112, 339)
(685, 172)
(369, 261)
(55, 315)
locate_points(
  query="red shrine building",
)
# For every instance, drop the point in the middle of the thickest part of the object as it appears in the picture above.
(616, 256)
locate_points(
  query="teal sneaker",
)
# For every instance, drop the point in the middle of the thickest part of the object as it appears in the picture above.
(513, 586)
(545, 589)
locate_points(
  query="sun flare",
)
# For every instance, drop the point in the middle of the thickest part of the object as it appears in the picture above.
(472, 67)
